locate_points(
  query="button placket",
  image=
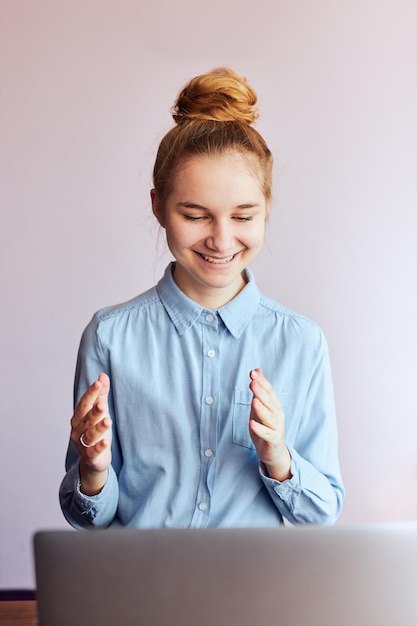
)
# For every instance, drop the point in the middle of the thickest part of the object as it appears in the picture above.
(208, 415)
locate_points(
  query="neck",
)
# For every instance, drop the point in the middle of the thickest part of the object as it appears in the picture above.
(210, 298)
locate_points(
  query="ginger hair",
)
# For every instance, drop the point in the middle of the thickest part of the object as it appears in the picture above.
(213, 113)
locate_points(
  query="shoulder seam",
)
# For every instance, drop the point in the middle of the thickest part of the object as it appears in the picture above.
(280, 309)
(125, 308)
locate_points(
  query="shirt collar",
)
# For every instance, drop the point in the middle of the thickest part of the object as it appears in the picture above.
(237, 313)
(184, 312)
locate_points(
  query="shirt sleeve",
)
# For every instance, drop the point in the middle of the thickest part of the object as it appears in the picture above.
(314, 494)
(83, 511)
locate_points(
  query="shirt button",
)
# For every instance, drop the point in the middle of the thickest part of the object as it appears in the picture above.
(202, 506)
(209, 317)
(211, 353)
(208, 452)
(209, 400)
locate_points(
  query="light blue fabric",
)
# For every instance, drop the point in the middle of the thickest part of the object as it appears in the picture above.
(180, 403)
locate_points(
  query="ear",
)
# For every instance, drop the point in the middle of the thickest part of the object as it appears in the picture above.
(157, 208)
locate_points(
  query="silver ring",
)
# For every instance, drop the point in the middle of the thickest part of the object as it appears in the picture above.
(82, 442)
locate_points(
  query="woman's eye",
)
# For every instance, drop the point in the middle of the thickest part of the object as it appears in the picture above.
(201, 218)
(194, 218)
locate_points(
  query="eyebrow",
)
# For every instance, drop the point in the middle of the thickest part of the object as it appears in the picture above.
(193, 205)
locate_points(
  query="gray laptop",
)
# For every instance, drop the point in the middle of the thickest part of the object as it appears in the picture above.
(303, 576)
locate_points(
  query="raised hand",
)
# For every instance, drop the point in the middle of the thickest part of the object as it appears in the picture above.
(267, 427)
(91, 432)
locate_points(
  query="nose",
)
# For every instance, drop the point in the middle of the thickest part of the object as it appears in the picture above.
(221, 237)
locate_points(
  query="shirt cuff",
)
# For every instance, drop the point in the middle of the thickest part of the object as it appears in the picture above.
(288, 489)
(98, 510)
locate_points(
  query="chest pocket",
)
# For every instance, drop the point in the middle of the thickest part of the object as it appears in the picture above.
(242, 399)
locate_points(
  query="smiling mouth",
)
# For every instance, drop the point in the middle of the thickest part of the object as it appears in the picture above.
(217, 261)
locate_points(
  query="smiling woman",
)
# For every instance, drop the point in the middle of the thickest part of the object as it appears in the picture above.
(214, 220)
(237, 427)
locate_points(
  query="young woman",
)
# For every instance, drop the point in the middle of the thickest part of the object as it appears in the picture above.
(202, 402)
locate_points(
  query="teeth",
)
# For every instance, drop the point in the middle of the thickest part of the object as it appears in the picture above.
(211, 259)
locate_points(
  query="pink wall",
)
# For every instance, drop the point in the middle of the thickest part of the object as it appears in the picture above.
(86, 88)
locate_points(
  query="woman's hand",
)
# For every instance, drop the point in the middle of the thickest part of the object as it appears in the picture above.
(91, 432)
(267, 427)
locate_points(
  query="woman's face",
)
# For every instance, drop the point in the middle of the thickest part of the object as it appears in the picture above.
(215, 223)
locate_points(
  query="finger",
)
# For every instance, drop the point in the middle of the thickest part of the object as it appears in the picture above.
(259, 385)
(103, 395)
(93, 417)
(262, 414)
(98, 390)
(264, 392)
(95, 450)
(92, 436)
(263, 431)
(259, 380)
(267, 399)
(86, 403)
(258, 376)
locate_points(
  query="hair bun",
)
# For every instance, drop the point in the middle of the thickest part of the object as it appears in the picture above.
(220, 95)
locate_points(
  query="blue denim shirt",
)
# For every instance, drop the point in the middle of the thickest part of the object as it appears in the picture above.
(182, 455)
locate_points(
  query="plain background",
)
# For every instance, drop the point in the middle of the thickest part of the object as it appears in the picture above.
(86, 91)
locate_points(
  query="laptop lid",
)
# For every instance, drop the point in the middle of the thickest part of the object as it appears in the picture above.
(305, 575)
